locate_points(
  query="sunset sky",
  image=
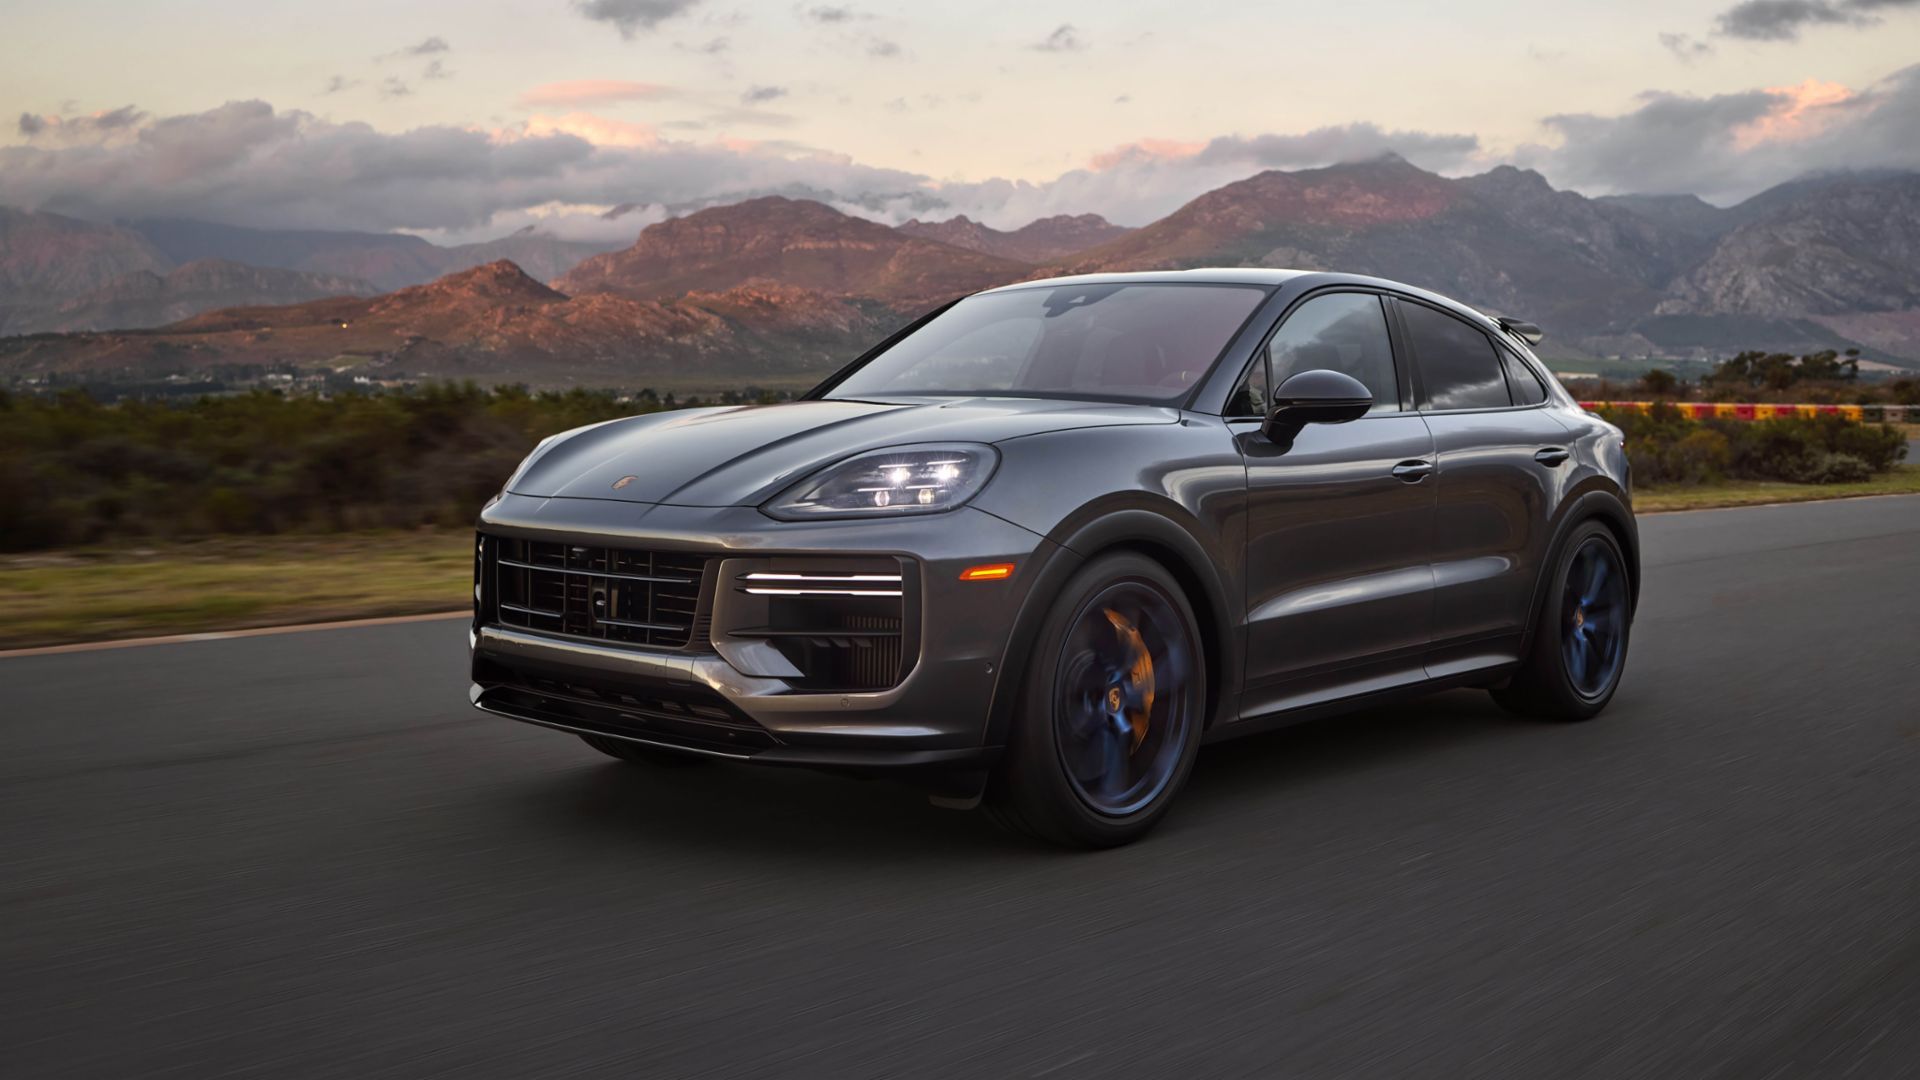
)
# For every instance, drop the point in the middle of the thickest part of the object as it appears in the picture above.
(464, 120)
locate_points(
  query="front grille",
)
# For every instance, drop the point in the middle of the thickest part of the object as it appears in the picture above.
(636, 597)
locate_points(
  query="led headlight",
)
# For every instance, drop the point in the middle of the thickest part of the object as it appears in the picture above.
(885, 483)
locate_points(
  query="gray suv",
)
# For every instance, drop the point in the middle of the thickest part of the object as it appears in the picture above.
(1037, 547)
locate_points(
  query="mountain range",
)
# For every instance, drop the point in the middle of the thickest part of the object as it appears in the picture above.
(1047, 240)
(780, 288)
(59, 273)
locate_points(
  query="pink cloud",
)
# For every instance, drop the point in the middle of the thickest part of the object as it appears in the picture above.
(581, 92)
(597, 130)
(1145, 151)
(1801, 111)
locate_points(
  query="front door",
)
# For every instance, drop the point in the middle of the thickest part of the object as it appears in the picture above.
(1339, 525)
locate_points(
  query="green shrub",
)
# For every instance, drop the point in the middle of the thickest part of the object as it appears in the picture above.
(76, 471)
(1669, 448)
(1829, 468)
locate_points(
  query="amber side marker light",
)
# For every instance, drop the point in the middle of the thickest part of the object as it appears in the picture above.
(990, 572)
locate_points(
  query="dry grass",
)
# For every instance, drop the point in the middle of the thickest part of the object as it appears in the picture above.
(1903, 480)
(230, 583)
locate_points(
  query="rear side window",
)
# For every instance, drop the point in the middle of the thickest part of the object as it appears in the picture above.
(1526, 386)
(1459, 368)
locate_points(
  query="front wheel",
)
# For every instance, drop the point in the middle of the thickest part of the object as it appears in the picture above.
(1580, 638)
(1111, 709)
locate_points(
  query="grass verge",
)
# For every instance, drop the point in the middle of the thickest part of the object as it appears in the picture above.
(233, 583)
(1903, 480)
(230, 583)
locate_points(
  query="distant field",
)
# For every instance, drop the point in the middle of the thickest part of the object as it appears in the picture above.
(99, 594)
(230, 583)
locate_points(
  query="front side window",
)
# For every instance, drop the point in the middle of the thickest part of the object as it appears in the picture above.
(1344, 332)
(1458, 366)
(1149, 343)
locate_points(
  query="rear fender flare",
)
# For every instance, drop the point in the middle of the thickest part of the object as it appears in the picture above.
(1597, 501)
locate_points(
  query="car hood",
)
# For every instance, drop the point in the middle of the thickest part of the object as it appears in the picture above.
(743, 456)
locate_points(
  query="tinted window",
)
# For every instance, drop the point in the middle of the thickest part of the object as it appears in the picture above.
(1252, 399)
(1344, 332)
(1133, 342)
(1458, 366)
(1526, 386)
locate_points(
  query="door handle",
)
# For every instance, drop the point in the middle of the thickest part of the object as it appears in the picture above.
(1552, 455)
(1412, 471)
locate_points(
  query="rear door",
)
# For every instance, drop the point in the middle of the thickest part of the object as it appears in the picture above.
(1498, 455)
(1338, 524)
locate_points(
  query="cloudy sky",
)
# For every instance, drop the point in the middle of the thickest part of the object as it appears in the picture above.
(463, 120)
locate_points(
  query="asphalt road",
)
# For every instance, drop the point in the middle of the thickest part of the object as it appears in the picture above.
(304, 855)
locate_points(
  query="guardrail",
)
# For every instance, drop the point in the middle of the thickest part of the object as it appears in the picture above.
(1701, 410)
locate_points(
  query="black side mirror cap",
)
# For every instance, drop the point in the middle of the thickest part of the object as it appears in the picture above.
(1314, 397)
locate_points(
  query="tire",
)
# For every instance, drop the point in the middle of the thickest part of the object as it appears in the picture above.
(640, 754)
(1090, 768)
(1580, 632)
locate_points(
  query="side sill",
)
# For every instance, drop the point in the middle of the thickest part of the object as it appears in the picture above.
(1334, 706)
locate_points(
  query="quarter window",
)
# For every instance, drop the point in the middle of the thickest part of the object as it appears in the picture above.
(1459, 368)
(1344, 332)
(1526, 386)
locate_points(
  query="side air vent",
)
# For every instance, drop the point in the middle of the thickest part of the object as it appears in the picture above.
(820, 624)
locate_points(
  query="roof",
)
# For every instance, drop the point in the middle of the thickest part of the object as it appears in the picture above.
(1261, 276)
(1210, 275)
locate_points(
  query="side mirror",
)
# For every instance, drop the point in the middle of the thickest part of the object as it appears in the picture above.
(1314, 397)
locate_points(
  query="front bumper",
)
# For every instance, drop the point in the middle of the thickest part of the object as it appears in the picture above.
(695, 701)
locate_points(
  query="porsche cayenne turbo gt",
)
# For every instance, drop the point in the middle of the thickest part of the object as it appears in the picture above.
(1039, 546)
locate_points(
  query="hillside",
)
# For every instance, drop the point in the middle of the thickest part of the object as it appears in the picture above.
(62, 273)
(146, 299)
(46, 259)
(1687, 214)
(792, 285)
(1843, 254)
(490, 323)
(1505, 241)
(388, 260)
(792, 242)
(1046, 240)
(1840, 248)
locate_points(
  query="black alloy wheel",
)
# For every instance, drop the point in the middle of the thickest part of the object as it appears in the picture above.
(1111, 709)
(1580, 634)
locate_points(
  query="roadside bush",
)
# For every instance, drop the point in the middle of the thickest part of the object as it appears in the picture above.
(1836, 469)
(1818, 378)
(1668, 448)
(76, 471)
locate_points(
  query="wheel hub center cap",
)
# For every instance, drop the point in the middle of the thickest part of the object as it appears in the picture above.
(1115, 699)
(1579, 617)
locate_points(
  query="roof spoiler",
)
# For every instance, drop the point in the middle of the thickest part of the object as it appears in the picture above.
(1521, 329)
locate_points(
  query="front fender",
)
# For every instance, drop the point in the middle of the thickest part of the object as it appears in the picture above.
(1178, 546)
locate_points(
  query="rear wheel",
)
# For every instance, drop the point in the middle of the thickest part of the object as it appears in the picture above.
(1580, 639)
(1111, 710)
(641, 754)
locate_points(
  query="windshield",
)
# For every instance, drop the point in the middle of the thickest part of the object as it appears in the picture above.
(1148, 343)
